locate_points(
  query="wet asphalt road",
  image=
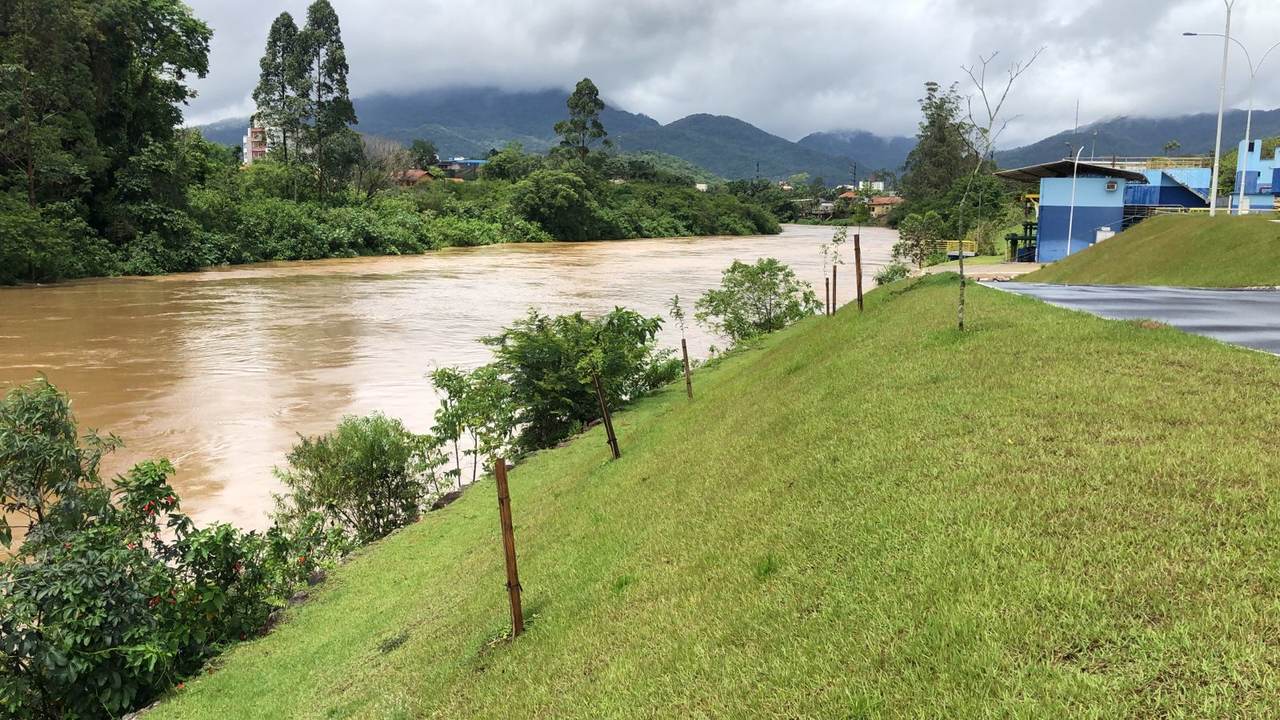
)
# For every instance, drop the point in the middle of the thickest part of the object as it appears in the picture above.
(1243, 317)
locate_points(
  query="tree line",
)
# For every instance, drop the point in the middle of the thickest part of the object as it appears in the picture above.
(97, 176)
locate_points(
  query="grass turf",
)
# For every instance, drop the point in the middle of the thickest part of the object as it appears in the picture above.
(845, 522)
(1177, 250)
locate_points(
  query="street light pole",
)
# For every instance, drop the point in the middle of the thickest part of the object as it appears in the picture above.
(1248, 122)
(1222, 101)
(1071, 214)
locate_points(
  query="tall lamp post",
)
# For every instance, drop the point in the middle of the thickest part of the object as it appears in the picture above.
(1248, 122)
(1222, 100)
(1071, 214)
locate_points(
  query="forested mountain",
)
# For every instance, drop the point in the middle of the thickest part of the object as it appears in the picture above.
(872, 152)
(1141, 137)
(471, 121)
(731, 148)
(461, 121)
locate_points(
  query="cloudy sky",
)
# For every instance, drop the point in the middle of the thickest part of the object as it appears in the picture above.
(788, 66)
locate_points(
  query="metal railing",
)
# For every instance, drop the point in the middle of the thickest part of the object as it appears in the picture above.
(969, 246)
(1149, 163)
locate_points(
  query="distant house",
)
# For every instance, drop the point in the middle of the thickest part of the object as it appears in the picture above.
(700, 187)
(461, 168)
(872, 185)
(408, 178)
(848, 195)
(256, 142)
(259, 139)
(882, 204)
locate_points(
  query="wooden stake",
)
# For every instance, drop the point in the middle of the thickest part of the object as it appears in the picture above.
(857, 265)
(688, 378)
(826, 282)
(509, 546)
(835, 302)
(604, 414)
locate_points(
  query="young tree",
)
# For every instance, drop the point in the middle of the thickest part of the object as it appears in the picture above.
(281, 71)
(583, 128)
(920, 235)
(676, 311)
(327, 101)
(755, 299)
(451, 415)
(424, 153)
(984, 128)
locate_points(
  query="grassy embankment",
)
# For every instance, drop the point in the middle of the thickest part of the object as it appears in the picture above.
(845, 522)
(1177, 250)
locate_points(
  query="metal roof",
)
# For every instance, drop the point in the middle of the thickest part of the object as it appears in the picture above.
(1065, 168)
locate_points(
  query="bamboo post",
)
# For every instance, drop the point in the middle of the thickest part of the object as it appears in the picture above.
(857, 265)
(509, 546)
(688, 378)
(835, 301)
(604, 414)
(826, 283)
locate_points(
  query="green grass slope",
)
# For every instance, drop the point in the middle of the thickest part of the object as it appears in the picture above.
(846, 522)
(1177, 250)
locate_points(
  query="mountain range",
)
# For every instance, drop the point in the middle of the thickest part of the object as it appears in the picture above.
(1144, 137)
(471, 121)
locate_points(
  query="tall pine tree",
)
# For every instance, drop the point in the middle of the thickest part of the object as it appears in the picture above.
(282, 69)
(942, 154)
(583, 126)
(325, 100)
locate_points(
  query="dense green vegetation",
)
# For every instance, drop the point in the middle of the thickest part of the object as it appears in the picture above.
(1177, 250)
(114, 594)
(119, 189)
(803, 539)
(949, 193)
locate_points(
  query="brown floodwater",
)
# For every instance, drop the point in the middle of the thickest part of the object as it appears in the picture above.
(221, 370)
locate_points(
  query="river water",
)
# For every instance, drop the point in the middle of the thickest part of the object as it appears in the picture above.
(221, 370)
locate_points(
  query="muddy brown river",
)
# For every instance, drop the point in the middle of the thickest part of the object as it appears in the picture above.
(221, 370)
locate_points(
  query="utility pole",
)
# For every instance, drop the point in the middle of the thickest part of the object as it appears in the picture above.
(1222, 101)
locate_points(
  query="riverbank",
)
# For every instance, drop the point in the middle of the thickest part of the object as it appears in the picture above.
(846, 519)
(1178, 250)
(221, 370)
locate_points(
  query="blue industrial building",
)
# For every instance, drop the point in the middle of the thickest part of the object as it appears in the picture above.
(1261, 179)
(1112, 195)
(1097, 213)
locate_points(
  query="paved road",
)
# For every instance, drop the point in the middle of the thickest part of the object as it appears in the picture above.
(1243, 317)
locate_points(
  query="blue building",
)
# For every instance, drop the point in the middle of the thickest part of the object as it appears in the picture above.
(1186, 187)
(1098, 212)
(1261, 178)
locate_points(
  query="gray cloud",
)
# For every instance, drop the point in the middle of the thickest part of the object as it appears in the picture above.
(790, 67)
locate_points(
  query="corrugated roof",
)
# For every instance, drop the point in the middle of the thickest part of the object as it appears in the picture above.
(1064, 169)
